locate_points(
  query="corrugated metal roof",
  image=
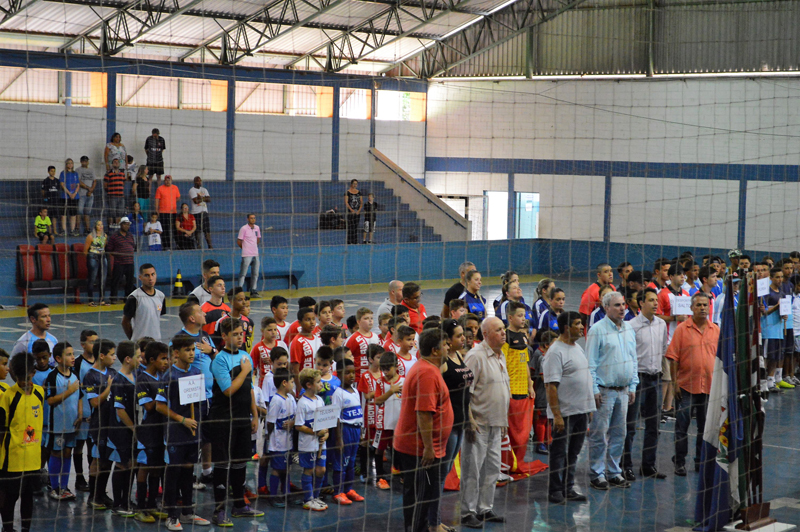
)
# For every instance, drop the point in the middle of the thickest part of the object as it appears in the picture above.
(50, 17)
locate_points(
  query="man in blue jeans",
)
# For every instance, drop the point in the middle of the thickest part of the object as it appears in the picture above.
(611, 350)
(652, 340)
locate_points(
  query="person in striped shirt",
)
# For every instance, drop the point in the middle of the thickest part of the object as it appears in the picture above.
(114, 186)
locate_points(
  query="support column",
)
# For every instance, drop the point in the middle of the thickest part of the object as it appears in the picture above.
(335, 135)
(68, 88)
(512, 208)
(742, 222)
(373, 109)
(607, 210)
(111, 104)
(230, 131)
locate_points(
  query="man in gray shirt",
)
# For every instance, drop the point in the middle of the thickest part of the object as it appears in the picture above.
(480, 454)
(570, 404)
(395, 298)
(86, 184)
(144, 307)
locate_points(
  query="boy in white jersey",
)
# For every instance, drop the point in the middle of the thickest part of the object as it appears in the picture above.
(279, 360)
(311, 444)
(280, 423)
(351, 419)
(405, 358)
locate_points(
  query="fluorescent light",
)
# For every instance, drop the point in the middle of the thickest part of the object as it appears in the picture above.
(611, 77)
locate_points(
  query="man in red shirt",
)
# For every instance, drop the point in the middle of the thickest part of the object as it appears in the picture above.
(422, 431)
(692, 354)
(167, 196)
(412, 296)
(591, 296)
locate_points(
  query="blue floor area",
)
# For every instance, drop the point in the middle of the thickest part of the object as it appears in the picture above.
(649, 505)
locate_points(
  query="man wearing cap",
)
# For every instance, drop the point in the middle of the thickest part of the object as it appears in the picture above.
(114, 185)
(121, 246)
(734, 255)
(86, 181)
(167, 196)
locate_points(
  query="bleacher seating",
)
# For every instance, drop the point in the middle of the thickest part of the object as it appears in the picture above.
(47, 268)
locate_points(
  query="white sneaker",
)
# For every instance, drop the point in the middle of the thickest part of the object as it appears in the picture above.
(315, 505)
(174, 524)
(195, 520)
(198, 485)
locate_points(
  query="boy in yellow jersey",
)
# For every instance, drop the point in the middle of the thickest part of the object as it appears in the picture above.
(3, 371)
(520, 411)
(21, 421)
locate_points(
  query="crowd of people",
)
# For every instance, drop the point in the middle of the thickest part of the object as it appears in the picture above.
(124, 195)
(333, 398)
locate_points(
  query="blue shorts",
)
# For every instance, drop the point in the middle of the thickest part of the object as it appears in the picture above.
(155, 247)
(345, 458)
(59, 442)
(152, 456)
(307, 459)
(83, 431)
(183, 454)
(278, 460)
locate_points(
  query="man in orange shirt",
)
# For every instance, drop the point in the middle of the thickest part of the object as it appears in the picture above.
(591, 296)
(412, 296)
(692, 353)
(167, 196)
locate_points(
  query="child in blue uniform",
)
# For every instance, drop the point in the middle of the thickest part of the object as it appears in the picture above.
(61, 389)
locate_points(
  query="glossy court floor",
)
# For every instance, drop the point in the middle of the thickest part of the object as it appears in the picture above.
(649, 505)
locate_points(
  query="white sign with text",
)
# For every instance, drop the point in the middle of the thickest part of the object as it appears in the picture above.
(326, 417)
(786, 306)
(192, 389)
(763, 286)
(683, 306)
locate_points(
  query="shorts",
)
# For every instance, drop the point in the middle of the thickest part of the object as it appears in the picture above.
(666, 376)
(114, 206)
(101, 451)
(309, 459)
(121, 456)
(41, 236)
(383, 439)
(369, 227)
(156, 168)
(788, 343)
(345, 458)
(183, 454)
(278, 460)
(59, 442)
(203, 224)
(230, 442)
(205, 429)
(85, 205)
(773, 348)
(155, 247)
(151, 456)
(69, 207)
(83, 432)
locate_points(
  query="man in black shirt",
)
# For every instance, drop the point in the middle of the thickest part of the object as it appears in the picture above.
(154, 146)
(457, 289)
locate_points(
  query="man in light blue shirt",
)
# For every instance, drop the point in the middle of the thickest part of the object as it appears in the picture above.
(611, 350)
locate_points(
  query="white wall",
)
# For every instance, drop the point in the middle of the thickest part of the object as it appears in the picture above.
(773, 219)
(403, 143)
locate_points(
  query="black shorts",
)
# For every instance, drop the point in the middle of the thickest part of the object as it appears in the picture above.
(788, 342)
(151, 456)
(203, 226)
(230, 442)
(773, 348)
(69, 207)
(183, 454)
(205, 428)
(41, 236)
(121, 456)
(156, 168)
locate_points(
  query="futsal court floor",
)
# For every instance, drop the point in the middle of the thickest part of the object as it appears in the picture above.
(649, 505)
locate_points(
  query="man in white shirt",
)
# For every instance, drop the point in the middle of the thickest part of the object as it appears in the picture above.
(199, 208)
(651, 346)
(202, 293)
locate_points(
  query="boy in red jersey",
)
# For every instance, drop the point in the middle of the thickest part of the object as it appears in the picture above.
(361, 340)
(303, 302)
(260, 352)
(305, 344)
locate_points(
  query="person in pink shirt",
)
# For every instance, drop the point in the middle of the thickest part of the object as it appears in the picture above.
(249, 239)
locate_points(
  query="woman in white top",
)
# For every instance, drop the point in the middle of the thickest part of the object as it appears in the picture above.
(115, 149)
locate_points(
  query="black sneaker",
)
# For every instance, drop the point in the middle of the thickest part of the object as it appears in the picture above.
(471, 521)
(81, 484)
(599, 484)
(628, 475)
(575, 496)
(208, 480)
(254, 294)
(680, 471)
(619, 482)
(556, 498)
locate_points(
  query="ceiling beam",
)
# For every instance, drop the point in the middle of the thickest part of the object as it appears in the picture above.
(10, 9)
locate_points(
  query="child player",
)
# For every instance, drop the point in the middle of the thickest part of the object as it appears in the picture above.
(303, 302)
(305, 344)
(280, 422)
(390, 389)
(151, 429)
(215, 308)
(368, 385)
(280, 309)
(3, 371)
(41, 354)
(82, 365)
(383, 326)
(182, 436)
(522, 400)
(328, 384)
(347, 398)
(122, 433)
(232, 419)
(63, 401)
(261, 351)
(338, 315)
(238, 300)
(310, 444)
(20, 441)
(97, 385)
(541, 427)
(405, 340)
(279, 359)
(361, 340)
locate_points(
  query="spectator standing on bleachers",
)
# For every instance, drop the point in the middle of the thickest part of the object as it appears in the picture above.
(185, 227)
(137, 224)
(115, 149)
(70, 192)
(249, 240)
(51, 192)
(200, 198)
(370, 218)
(39, 318)
(87, 183)
(167, 196)
(354, 203)
(122, 245)
(96, 261)
(154, 146)
(141, 189)
(114, 185)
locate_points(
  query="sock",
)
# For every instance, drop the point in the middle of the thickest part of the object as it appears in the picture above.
(284, 482)
(102, 482)
(220, 487)
(92, 486)
(207, 472)
(337, 482)
(362, 460)
(380, 468)
(66, 467)
(318, 486)
(186, 481)
(77, 458)
(54, 467)
(779, 375)
(141, 494)
(307, 482)
(274, 484)
(238, 477)
(152, 489)
(349, 475)
(262, 475)
(118, 481)
(770, 381)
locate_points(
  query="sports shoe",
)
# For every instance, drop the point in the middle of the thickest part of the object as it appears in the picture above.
(174, 524)
(395, 471)
(254, 294)
(207, 479)
(278, 503)
(792, 380)
(55, 494)
(619, 482)
(382, 484)
(197, 485)
(342, 499)
(785, 385)
(363, 479)
(255, 456)
(220, 519)
(353, 496)
(196, 520)
(144, 517)
(67, 495)
(94, 505)
(158, 514)
(81, 484)
(327, 490)
(263, 491)
(772, 388)
(246, 511)
(249, 495)
(123, 512)
(315, 505)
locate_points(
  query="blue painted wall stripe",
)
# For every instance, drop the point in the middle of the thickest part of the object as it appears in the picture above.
(111, 105)
(335, 123)
(230, 132)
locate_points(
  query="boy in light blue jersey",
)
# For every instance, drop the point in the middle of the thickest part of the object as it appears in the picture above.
(64, 413)
(83, 362)
(40, 349)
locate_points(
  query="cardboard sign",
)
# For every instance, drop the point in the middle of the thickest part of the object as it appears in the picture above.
(763, 286)
(683, 306)
(786, 306)
(326, 417)
(192, 389)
